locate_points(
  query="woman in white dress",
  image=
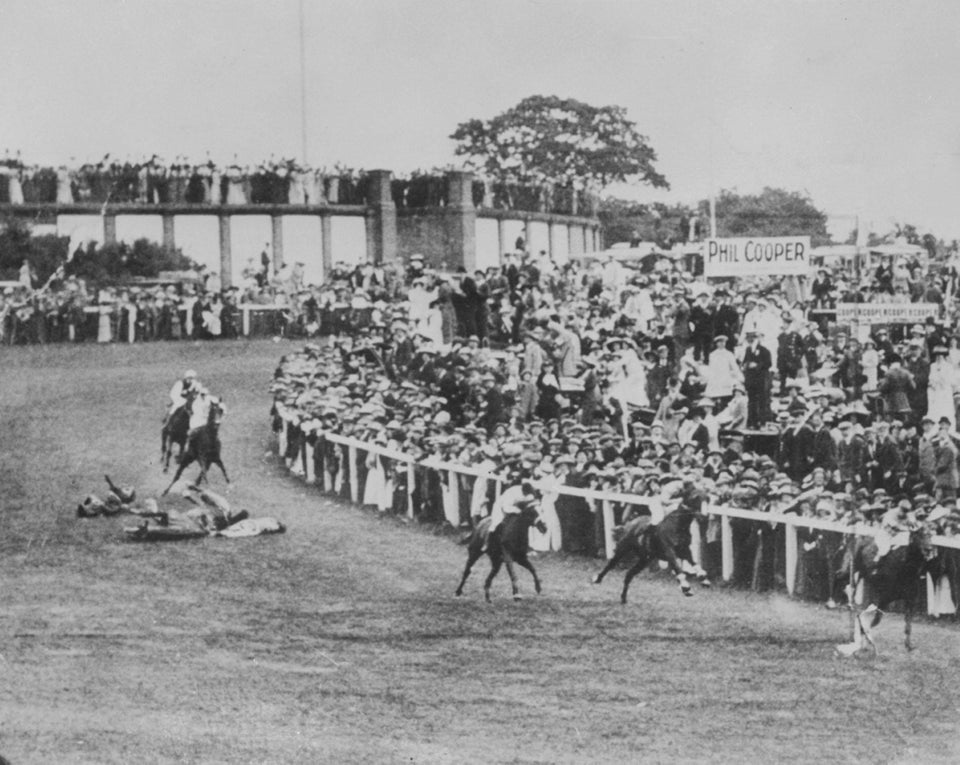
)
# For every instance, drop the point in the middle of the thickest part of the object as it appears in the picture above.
(64, 190)
(940, 389)
(235, 195)
(105, 304)
(375, 491)
(550, 486)
(16, 188)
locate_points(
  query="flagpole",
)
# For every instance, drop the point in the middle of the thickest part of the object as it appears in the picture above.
(303, 90)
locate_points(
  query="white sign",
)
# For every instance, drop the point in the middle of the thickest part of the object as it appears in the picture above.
(757, 256)
(886, 313)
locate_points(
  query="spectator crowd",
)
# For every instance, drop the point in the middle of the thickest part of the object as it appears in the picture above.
(602, 377)
(153, 180)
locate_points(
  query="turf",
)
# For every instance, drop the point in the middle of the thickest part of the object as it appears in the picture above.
(340, 641)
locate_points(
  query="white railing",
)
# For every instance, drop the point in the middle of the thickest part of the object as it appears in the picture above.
(594, 497)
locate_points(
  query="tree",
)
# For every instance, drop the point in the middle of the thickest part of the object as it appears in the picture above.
(773, 212)
(626, 221)
(45, 253)
(546, 139)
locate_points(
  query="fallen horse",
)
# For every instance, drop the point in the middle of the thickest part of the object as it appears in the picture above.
(210, 515)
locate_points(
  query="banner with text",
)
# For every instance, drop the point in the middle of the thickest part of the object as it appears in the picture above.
(886, 313)
(757, 256)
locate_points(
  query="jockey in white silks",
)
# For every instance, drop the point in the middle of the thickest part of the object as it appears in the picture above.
(200, 412)
(181, 388)
(512, 502)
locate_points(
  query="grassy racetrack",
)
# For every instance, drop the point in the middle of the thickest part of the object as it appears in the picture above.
(340, 641)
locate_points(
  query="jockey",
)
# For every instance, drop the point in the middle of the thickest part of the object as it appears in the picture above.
(512, 502)
(181, 388)
(894, 528)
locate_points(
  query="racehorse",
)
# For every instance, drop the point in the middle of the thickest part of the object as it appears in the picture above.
(897, 576)
(668, 541)
(175, 429)
(506, 544)
(203, 445)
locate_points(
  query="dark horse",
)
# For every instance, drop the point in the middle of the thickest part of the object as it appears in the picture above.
(175, 429)
(668, 541)
(506, 544)
(897, 576)
(203, 446)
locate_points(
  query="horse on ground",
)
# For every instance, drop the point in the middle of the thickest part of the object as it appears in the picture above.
(897, 576)
(203, 445)
(508, 544)
(176, 428)
(667, 541)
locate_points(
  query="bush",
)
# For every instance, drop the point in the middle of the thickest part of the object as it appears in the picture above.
(113, 264)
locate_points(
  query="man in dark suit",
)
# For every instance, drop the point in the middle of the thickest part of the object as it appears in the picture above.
(896, 388)
(824, 446)
(789, 352)
(726, 320)
(494, 406)
(756, 370)
(795, 455)
(701, 317)
(889, 461)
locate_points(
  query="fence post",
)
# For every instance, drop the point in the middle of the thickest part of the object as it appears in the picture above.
(245, 312)
(608, 542)
(327, 483)
(411, 481)
(726, 543)
(790, 557)
(309, 475)
(282, 437)
(352, 467)
(696, 548)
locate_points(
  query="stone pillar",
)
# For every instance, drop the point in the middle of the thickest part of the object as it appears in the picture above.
(381, 218)
(528, 233)
(460, 221)
(551, 232)
(109, 228)
(169, 233)
(575, 239)
(276, 230)
(582, 233)
(501, 238)
(226, 255)
(326, 244)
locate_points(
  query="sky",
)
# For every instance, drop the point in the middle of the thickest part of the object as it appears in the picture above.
(852, 103)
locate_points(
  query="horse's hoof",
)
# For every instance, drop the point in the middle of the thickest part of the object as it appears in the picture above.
(705, 583)
(458, 593)
(687, 591)
(623, 601)
(596, 580)
(518, 596)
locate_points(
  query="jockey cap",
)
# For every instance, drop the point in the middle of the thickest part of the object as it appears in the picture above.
(189, 375)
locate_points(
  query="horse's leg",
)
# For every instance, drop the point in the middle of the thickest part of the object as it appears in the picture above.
(637, 567)
(223, 470)
(525, 562)
(180, 468)
(621, 549)
(473, 554)
(204, 465)
(908, 624)
(508, 559)
(495, 563)
(670, 556)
